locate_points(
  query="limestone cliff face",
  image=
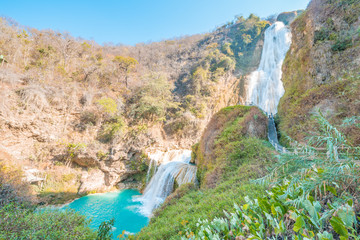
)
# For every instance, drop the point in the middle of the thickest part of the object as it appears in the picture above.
(321, 69)
(54, 128)
(73, 114)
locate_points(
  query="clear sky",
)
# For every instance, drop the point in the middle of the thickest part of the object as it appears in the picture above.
(134, 21)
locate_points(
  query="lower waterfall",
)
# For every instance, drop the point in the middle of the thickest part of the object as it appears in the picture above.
(265, 87)
(175, 166)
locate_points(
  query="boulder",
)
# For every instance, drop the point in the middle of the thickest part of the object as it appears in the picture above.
(86, 160)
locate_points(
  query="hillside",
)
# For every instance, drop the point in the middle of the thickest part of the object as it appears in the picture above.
(321, 70)
(231, 151)
(81, 115)
(309, 192)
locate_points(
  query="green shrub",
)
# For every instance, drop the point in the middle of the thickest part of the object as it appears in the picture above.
(151, 101)
(74, 149)
(108, 104)
(20, 220)
(24, 223)
(321, 35)
(342, 44)
(105, 228)
(111, 129)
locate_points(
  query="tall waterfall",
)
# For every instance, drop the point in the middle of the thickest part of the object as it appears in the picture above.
(174, 167)
(265, 87)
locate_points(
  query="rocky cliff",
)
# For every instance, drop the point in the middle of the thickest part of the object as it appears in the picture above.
(80, 117)
(321, 69)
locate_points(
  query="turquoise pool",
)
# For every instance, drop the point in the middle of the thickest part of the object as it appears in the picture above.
(118, 205)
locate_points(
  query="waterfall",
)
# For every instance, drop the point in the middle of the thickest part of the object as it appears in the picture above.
(265, 87)
(174, 167)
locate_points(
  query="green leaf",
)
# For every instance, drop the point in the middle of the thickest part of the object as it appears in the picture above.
(325, 236)
(300, 223)
(331, 189)
(273, 211)
(347, 216)
(338, 226)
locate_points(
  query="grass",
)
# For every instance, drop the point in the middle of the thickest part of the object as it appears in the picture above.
(342, 97)
(207, 202)
(224, 174)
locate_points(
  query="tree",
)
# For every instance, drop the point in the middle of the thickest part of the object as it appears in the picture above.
(126, 65)
(152, 100)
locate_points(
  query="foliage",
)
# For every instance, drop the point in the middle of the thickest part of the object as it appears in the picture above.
(125, 63)
(312, 196)
(342, 43)
(89, 117)
(105, 228)
(298, 122)
(72, 150)
(108, 104)
(111, 129)
(12, 188)
(20, 220)
(17, 222)
(275, 216)
(245, 35)
(152, 100)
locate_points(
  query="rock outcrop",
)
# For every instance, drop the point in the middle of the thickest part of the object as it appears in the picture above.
(92, 181)
(321, 69)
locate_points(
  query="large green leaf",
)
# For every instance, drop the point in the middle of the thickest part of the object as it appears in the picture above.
(347, 216)
(299, 224)
(338, 226)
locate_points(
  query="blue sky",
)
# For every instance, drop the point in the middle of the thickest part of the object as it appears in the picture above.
(134, 21)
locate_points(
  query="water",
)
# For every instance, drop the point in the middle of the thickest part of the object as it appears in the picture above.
(105, 206)
(174, 167)
(265, 87)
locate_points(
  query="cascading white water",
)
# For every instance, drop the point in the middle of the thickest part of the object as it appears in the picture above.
(160, 157)
(265, 87)
(175, 167)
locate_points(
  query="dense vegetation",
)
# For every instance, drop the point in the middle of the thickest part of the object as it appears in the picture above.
(312, 194)
(19, 220)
